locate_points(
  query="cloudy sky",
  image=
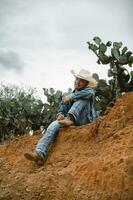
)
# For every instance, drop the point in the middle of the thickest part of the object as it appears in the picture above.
(42, 40)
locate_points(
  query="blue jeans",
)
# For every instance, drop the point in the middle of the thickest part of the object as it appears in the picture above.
(79, 112)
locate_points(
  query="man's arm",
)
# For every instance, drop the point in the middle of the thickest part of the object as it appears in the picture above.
(82, 94)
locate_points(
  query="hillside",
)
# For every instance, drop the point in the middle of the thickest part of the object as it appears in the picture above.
(91, 162)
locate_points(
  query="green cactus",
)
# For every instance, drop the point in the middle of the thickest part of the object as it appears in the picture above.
(52, 105)
(121, 80)
(103, 94)
(117, 58)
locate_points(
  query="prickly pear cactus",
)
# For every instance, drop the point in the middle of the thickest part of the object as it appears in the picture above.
(52, 105)
(103, 95)
(121, 80)
(118, 58)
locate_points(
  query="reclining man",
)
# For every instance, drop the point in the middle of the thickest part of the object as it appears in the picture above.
(76, 109)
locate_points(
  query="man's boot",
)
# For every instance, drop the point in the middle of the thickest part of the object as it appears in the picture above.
(34, 157)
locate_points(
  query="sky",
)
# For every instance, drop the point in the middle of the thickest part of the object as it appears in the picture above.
(42, 40)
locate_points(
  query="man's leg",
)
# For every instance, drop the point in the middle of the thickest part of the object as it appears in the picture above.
(50, 134)
(43, 144)
(78, 114)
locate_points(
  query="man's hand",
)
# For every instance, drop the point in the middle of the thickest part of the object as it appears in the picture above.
(60, 117)
(66, 99)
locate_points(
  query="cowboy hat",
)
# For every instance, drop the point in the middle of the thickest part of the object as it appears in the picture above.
(86, 75)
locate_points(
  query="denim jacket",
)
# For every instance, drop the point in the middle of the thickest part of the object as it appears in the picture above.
(86, 94)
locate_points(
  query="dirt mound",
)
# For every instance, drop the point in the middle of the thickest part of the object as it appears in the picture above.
(91, 162)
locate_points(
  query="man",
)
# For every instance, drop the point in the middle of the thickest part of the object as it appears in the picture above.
(76, 109)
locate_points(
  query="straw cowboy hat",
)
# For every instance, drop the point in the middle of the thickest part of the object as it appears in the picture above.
(86, 75)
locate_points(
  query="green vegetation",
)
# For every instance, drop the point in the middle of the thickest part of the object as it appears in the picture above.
(21, 111)
(51, 108)
(121, 80)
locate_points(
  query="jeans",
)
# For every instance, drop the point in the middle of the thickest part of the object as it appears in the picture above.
(79, 112)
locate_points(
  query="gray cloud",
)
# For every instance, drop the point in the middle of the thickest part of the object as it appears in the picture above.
(52, 34)
(10, 60)
(49, 24)
(108, 19)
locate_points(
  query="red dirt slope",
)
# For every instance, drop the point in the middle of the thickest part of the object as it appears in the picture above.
(91, 162)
